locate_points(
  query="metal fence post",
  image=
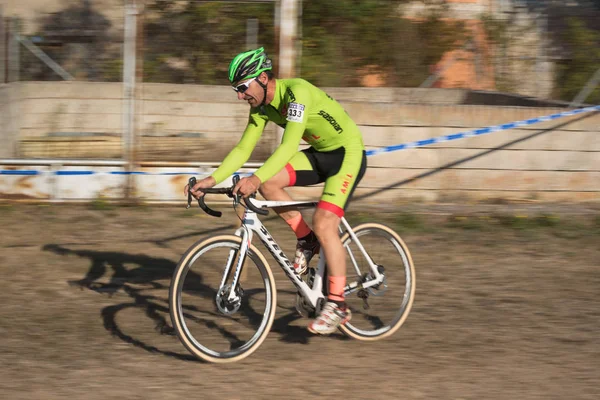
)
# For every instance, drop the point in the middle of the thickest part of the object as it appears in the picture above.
(2, 48)
(14, 53)
(54, 195)
(288, 30)
(129, 78)
(287, 37)
(251, 33)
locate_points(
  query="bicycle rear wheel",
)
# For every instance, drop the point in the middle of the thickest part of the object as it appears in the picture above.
(388, 304)
(209, 325)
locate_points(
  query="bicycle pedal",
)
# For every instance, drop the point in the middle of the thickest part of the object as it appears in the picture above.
(364, 295)
(366, 305)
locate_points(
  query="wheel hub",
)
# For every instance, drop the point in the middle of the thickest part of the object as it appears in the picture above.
(224, 304)
(379, 290)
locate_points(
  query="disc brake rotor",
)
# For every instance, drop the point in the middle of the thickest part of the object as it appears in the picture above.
(225, 305)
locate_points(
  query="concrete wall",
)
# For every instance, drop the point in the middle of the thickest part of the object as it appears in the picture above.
(554, 160)
(175, 122)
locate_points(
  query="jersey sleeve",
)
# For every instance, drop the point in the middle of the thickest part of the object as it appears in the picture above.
(297, 115)
(242, 151)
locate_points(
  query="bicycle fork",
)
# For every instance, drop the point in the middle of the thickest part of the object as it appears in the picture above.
(246, 235)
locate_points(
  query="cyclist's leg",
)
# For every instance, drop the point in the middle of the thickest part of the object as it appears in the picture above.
(336, 194)
(273, 189)
(298, 172)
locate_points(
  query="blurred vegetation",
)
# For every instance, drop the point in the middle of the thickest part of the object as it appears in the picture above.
(196, 42)
(343, 43)
(572, 35)
(101, 203)
(193, 42)
(78, 38)
(500, 34)
(580, 63)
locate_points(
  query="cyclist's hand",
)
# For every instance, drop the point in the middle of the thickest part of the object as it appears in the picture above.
(197, 189)
(247, 186)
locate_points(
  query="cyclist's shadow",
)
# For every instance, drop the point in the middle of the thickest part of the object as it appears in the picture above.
(135, 282)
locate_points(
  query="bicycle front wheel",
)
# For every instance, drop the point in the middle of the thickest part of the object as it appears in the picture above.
(210, 324)
(378, 311)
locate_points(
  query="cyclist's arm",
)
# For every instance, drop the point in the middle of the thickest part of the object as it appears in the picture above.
(294, 129)
(242, 151)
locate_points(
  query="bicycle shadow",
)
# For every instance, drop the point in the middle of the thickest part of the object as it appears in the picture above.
(144, 276)
(293, 333)
(131, 281)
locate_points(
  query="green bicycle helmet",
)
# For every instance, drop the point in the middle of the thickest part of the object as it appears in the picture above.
(249, 64)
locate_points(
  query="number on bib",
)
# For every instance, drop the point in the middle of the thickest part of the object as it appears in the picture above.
(295, 112)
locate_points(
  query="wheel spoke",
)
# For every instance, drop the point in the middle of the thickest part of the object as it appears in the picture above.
(388, 303)
(208, 324)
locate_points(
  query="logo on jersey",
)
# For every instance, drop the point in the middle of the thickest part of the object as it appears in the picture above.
(290, 94)
(331, 121)
(308, 138)
(295, 112)
(346, 183)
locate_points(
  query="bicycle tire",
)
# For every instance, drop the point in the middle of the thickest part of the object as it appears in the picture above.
(178, 311)
(380, 330)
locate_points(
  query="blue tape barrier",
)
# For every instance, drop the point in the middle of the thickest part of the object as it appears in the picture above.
(480, 131)
(388, 149)
(19, 172)
(74, 172)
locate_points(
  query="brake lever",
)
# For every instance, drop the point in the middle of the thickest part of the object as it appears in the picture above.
(191, 184)
(237, 198)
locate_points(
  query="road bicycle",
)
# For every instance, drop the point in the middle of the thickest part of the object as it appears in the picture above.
(222, 297)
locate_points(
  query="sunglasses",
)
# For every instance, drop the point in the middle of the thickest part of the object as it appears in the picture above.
(242, 87)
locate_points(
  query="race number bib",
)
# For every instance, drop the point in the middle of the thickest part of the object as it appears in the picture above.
(295, 112)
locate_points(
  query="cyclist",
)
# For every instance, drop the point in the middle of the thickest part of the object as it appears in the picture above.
(336, 156)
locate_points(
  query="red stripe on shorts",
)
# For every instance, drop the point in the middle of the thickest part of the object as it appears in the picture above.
(292, 174)
(331, 207)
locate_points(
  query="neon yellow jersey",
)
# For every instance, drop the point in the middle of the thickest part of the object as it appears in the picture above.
(306, 113)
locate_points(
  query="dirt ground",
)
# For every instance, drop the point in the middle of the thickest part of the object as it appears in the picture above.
(507, 307)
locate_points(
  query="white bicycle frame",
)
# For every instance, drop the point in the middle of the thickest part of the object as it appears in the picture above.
(251, 224)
